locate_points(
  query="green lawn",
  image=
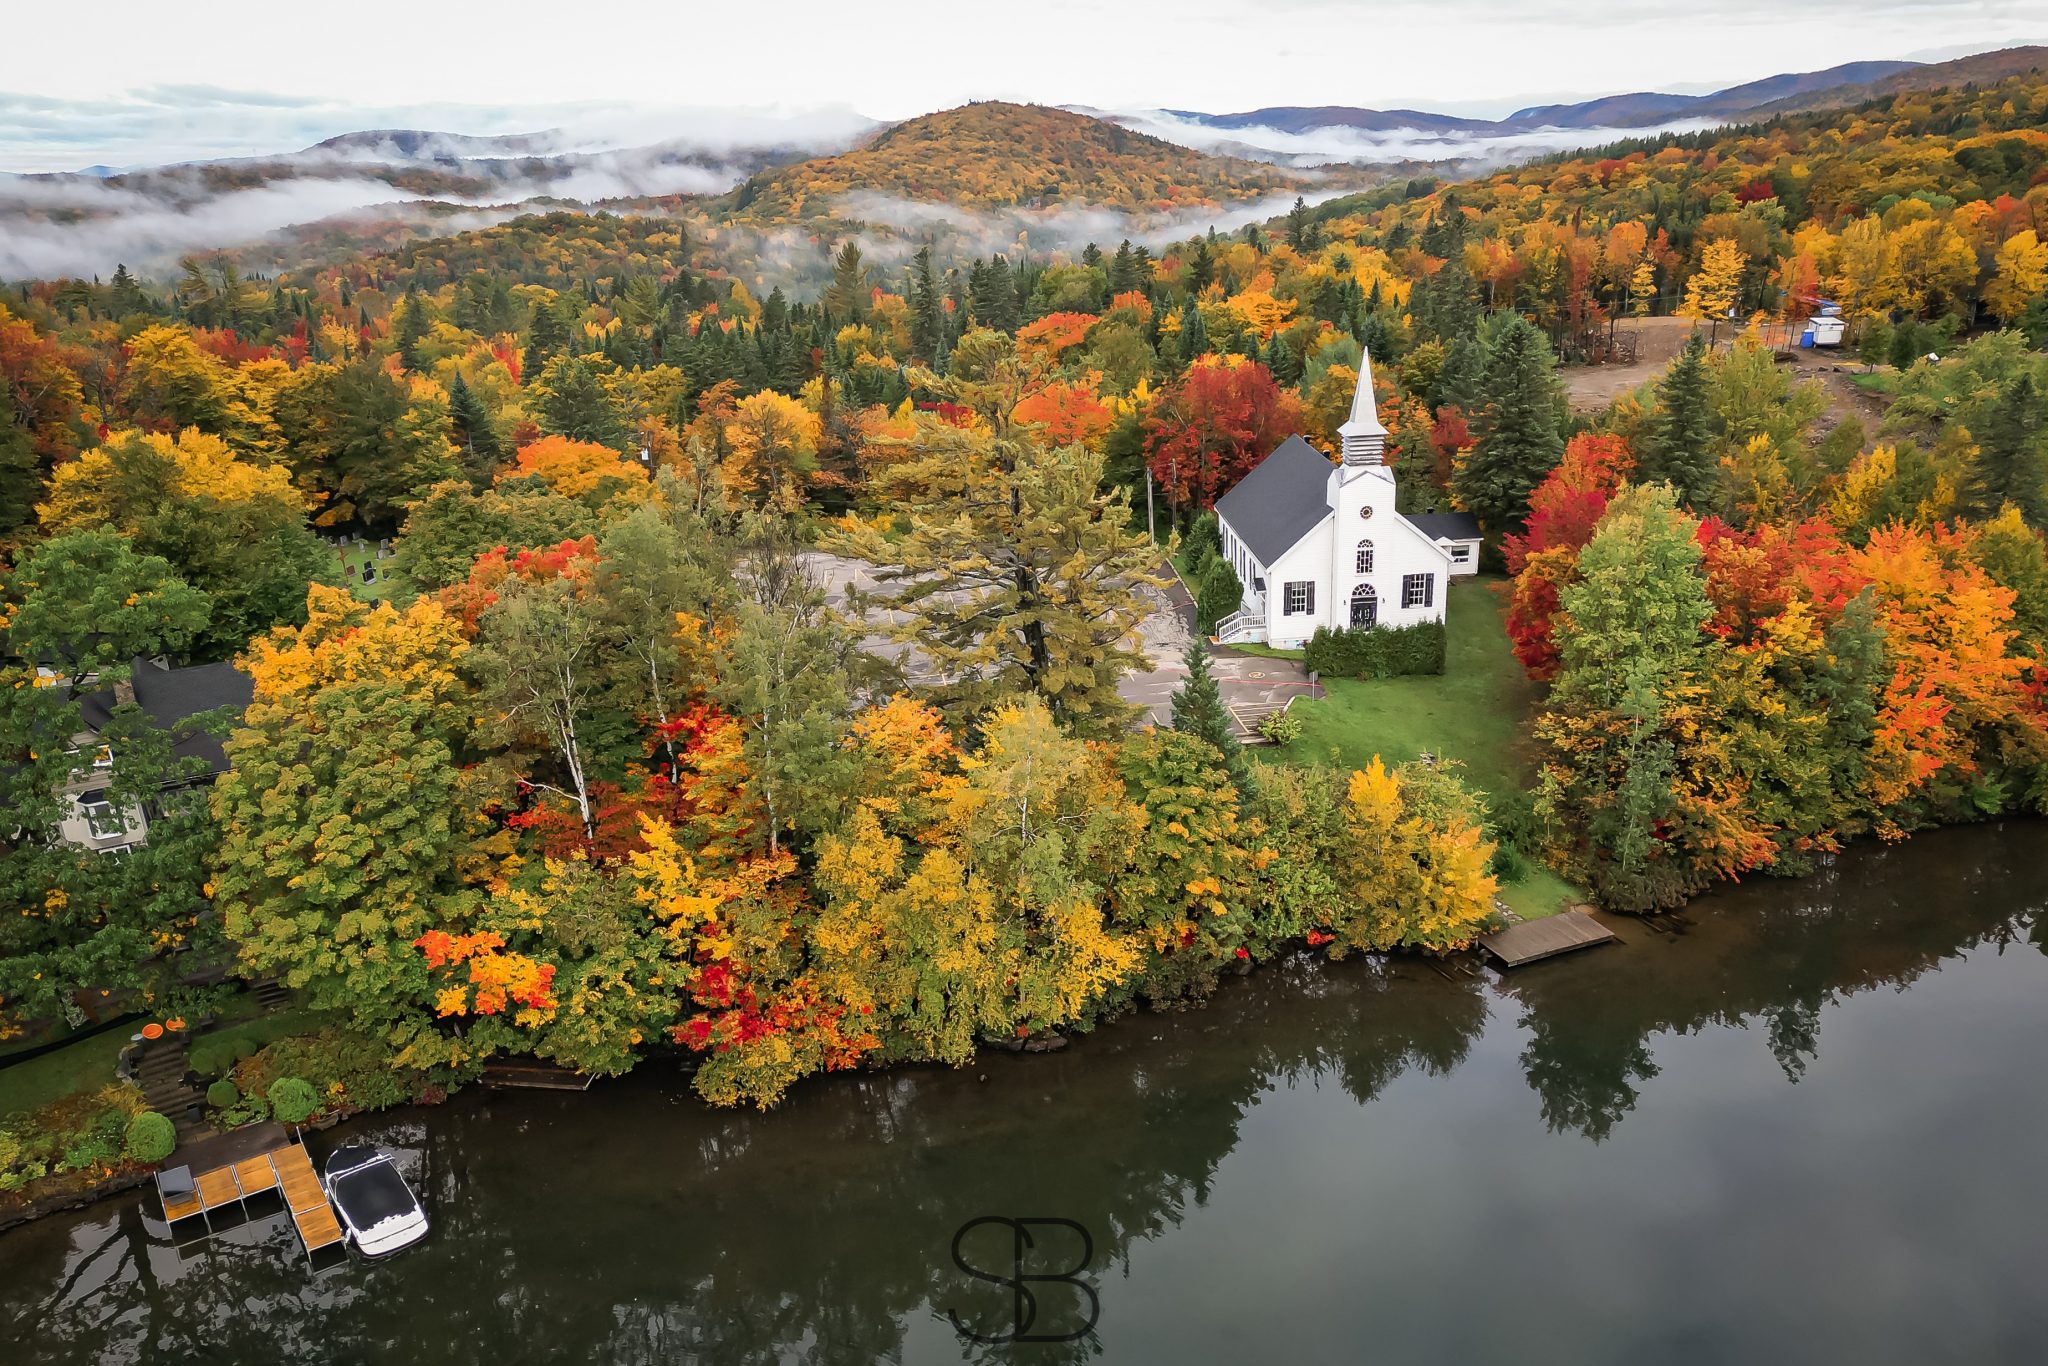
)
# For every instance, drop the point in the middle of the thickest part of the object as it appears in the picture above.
(1269, 652)
(1477, 713)
(85, 1066)
(1876, 381)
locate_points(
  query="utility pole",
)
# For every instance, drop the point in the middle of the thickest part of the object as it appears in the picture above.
(1151, 528)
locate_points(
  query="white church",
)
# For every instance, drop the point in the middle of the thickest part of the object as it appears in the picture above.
(1317, 544)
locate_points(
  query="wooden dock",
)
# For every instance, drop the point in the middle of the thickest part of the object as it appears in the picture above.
(229, 1179)
(1527, 941)
(531, 1074)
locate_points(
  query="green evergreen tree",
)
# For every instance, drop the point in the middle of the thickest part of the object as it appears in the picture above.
(1304, 234)
(1680, 447)
(927, 315)
(1515, 433)
(476, 437)
(410, 328)
(2012, 454)
(1201, 267)
(1194, 333)
(575, 404)
(847, 295)
(21, 481)
(1123, 270)
(1198, 710)
(996, 303)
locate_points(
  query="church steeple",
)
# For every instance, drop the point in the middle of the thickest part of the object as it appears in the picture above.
(1364, 439)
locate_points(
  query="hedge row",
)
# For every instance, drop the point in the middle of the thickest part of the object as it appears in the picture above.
(1377, 651)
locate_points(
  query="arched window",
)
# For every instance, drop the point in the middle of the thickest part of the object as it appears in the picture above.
(1365, 557)
(1365, 604)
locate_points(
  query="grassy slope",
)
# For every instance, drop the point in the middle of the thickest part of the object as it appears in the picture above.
(84, 1066)
(1477, 713)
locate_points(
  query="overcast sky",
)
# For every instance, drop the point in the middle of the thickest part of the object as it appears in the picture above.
(127, 82)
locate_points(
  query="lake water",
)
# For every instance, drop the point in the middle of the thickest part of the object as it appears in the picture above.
(1806, 1124)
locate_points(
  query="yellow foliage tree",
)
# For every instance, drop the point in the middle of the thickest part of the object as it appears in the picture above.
(1414, 864)
(2019, 276)
(1715, 286)
(774, 449)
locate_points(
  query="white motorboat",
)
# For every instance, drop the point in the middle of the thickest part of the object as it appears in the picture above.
(379, 1212)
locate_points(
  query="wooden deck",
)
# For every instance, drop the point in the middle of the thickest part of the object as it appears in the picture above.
(1529, 940)
(285, 1169)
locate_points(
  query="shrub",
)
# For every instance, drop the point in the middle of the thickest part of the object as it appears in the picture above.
(292, 1100)
(223, 1094)
(89, 1152)
(1205, 540)
(1378, 651)
(1217, 594)
(352, 1070)
(150, 1138)
(251, 1109)
(1281, 727)
(75, 1133)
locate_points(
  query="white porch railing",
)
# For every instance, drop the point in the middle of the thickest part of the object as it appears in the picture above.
(1241, 626)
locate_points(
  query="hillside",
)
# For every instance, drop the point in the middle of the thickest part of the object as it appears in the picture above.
(1646, 108)
(996, 155)
(1980, 68)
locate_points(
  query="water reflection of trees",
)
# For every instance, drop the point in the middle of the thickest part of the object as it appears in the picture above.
(1771, 952)
(631, 1225)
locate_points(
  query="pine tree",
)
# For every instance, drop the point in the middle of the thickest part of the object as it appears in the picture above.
(927, 317)
(1201, 267)
(847, 295)
(1018, 574)
(575, 404)
(410, 328)
(1680, 449)
(1453, 305)
(1304, 234)
(1198, 711)
(1515, 429)
(995, 301)
(1194, 333)
(470, 426)
(1123, 270)
(2012, 455)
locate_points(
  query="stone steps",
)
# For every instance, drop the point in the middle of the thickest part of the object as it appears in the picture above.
(160, 1073)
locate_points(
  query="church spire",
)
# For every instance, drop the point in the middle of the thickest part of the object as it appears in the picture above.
(1364, 440)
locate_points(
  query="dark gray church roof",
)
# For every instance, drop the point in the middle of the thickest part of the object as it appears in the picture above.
(1280, 501)
(169, 696)
(1445, 526)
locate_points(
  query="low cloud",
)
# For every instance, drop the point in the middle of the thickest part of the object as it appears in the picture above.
(890, 230)
(166, 124)
(98, 226)
(1365, 146)
(52, 225)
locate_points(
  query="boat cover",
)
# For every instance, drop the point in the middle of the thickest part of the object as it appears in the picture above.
(371, 1194)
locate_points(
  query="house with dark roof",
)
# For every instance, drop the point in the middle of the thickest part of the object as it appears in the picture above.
(171, 698)
(1317, 543)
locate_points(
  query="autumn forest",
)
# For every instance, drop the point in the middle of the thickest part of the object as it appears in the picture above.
(573, 738)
